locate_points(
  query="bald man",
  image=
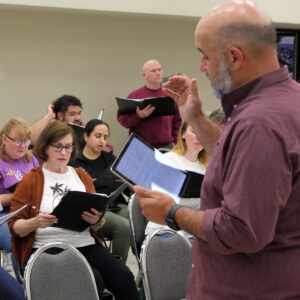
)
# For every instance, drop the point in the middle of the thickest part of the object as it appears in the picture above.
(247, 229)
(159, 131)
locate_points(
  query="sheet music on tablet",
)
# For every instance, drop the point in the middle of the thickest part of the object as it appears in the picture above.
(141, 164)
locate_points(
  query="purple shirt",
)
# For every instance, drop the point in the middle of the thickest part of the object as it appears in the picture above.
(12, 171)
(251, 197)
(157, 131)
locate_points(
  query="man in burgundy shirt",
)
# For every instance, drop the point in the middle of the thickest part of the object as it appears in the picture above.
(247, 229)
(160, 131)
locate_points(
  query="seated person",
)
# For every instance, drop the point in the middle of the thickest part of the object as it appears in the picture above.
(189, 155)
(68, 108)
(44, 188)
(15, 161)
(94, 160)
(10, 288)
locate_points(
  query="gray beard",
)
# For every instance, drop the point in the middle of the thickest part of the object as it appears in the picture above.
(223, 84)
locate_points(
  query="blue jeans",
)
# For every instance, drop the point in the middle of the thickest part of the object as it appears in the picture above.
(5, 243)
(10, 288)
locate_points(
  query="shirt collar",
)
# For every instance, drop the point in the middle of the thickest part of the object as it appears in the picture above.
(236, 96)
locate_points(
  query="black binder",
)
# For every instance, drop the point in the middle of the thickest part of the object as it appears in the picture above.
(164, 106)
(79, 130)
(74, 203)
(193, 187)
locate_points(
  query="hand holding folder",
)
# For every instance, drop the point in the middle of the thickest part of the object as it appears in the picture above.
(164, 106)
(74, 203)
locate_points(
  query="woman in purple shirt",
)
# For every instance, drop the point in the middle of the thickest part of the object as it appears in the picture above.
(15, 161)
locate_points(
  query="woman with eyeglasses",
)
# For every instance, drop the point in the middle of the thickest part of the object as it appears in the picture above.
(15, 161)
(44, 187)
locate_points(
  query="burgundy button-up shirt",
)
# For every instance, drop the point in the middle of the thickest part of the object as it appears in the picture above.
(251, 197)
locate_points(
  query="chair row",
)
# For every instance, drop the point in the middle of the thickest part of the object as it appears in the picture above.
(164, 262)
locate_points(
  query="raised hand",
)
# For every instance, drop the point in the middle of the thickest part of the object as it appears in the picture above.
(185, 92)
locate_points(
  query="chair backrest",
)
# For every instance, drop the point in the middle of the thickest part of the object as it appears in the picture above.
(137, 224)
(166, 263)
(60, 276)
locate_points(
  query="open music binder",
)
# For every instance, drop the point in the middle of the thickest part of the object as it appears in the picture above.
(74, 203)
(164, 106)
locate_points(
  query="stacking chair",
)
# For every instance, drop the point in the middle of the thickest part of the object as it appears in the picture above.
(61, 276)
(137, 224)
(166, 263)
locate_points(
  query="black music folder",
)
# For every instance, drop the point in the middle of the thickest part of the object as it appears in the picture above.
(193, 187)
(79, 130)
(164, 106)
(74, 203)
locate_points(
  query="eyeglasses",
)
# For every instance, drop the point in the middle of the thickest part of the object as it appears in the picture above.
(26, 142)
(59, 148)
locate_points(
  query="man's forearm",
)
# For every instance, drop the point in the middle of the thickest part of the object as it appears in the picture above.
(207, 132)
(37, 127)
(190, 220)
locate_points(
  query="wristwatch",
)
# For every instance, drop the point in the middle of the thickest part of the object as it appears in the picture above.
(170, 220)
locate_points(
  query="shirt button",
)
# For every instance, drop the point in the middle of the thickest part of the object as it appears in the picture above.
(229, 119)
(235, 105)
(193, 266)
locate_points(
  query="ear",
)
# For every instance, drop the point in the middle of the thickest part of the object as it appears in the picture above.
(144, 74)
(236, 58)
(60, 116)
(85, 136)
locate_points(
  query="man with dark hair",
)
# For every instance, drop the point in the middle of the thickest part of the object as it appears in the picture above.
(247, 230)
(68, 108)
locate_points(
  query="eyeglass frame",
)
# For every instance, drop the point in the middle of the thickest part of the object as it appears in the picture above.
(20, 142)
(59, 148)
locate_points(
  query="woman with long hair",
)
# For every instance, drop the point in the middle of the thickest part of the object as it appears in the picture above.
(44, 187)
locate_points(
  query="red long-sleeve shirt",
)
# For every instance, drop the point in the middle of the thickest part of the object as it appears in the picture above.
(157, 131)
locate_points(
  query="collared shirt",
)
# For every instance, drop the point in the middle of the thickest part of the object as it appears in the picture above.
(251, 197)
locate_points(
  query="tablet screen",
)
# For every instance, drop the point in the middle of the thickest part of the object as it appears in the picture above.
(141, 164)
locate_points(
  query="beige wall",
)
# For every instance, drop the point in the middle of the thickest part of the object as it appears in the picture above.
(95, 56)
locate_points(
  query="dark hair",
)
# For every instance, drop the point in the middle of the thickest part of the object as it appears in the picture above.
(52, 133)
(92, 124)
(62, 103)
(252, 36)
(217, 116)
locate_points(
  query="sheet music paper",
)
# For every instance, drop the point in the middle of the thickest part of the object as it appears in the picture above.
(10, 215)
(101, 114)
(145, 168)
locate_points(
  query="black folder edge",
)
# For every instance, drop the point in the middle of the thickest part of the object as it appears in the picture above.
(142, 103)
(69, 208)
(128, 180)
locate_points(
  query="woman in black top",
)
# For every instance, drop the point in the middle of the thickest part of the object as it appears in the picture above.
(94, 160)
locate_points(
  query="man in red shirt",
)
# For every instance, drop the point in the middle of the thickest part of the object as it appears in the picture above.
(159, 131)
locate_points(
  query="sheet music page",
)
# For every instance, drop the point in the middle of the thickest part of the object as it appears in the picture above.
(140, 165)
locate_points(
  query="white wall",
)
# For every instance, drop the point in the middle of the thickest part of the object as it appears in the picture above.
(95, 56)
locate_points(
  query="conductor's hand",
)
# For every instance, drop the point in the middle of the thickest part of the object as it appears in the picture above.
(185, 92)
(44, 219)
(155, 205)
(93, 218)
(146, 112)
